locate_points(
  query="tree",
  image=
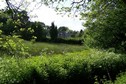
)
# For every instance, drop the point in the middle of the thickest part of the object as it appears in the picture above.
(63, 32)
(53, 32)
(39, 30)
(74, 34)
(107, 29)
(12, 26)
(76, 5)
(7, 25)
(81, 33)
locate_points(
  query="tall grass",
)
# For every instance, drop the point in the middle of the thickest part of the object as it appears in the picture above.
(40, 48)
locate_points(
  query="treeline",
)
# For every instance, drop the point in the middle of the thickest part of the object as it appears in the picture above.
(18, 23)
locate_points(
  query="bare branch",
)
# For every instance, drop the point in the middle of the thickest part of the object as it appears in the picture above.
(77, 2)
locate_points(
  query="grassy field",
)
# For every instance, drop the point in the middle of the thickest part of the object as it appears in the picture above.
(51, 48)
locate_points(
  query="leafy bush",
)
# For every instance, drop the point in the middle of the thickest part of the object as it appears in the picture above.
(12, 45)
(13, 71)
(121, 79)
(78, 68)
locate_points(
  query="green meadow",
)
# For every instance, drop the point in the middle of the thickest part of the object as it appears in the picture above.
(40, 48)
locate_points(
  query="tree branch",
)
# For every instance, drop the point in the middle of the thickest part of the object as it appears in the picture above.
(9, 6)
(77, 2)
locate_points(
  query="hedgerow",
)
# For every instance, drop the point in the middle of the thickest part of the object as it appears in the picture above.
(78, 68)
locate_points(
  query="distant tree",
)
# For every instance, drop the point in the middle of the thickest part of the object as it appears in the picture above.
(81, 33)
(47, 29)
(74, 34)
(63, 32)
(39, 30)
(53, 32)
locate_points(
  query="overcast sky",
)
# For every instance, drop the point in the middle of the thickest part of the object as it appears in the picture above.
(48, 15)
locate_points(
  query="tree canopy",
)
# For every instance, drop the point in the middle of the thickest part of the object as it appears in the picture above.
(106, 27)
(75, 4)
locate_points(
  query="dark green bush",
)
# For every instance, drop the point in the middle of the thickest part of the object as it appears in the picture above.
(70, 41)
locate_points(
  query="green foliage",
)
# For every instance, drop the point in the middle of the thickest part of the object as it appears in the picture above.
(70, 41)
(11, 45)
(6, 23)
(39, 30)
(34, 29)
(106, 28)
(13, 25)
(20, 25)
(78, 67)
(121, 79)
(9, 28)
(13, 71)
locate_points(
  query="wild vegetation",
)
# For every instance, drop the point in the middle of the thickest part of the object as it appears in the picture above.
(34, 53)
(51, 48)
(78, 68)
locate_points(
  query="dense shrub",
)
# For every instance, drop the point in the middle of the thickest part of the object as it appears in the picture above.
(13, 71)
(70, 41)
(78, 68)
(62, 40)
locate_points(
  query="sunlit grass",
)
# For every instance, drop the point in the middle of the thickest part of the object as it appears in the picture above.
(40, 48)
